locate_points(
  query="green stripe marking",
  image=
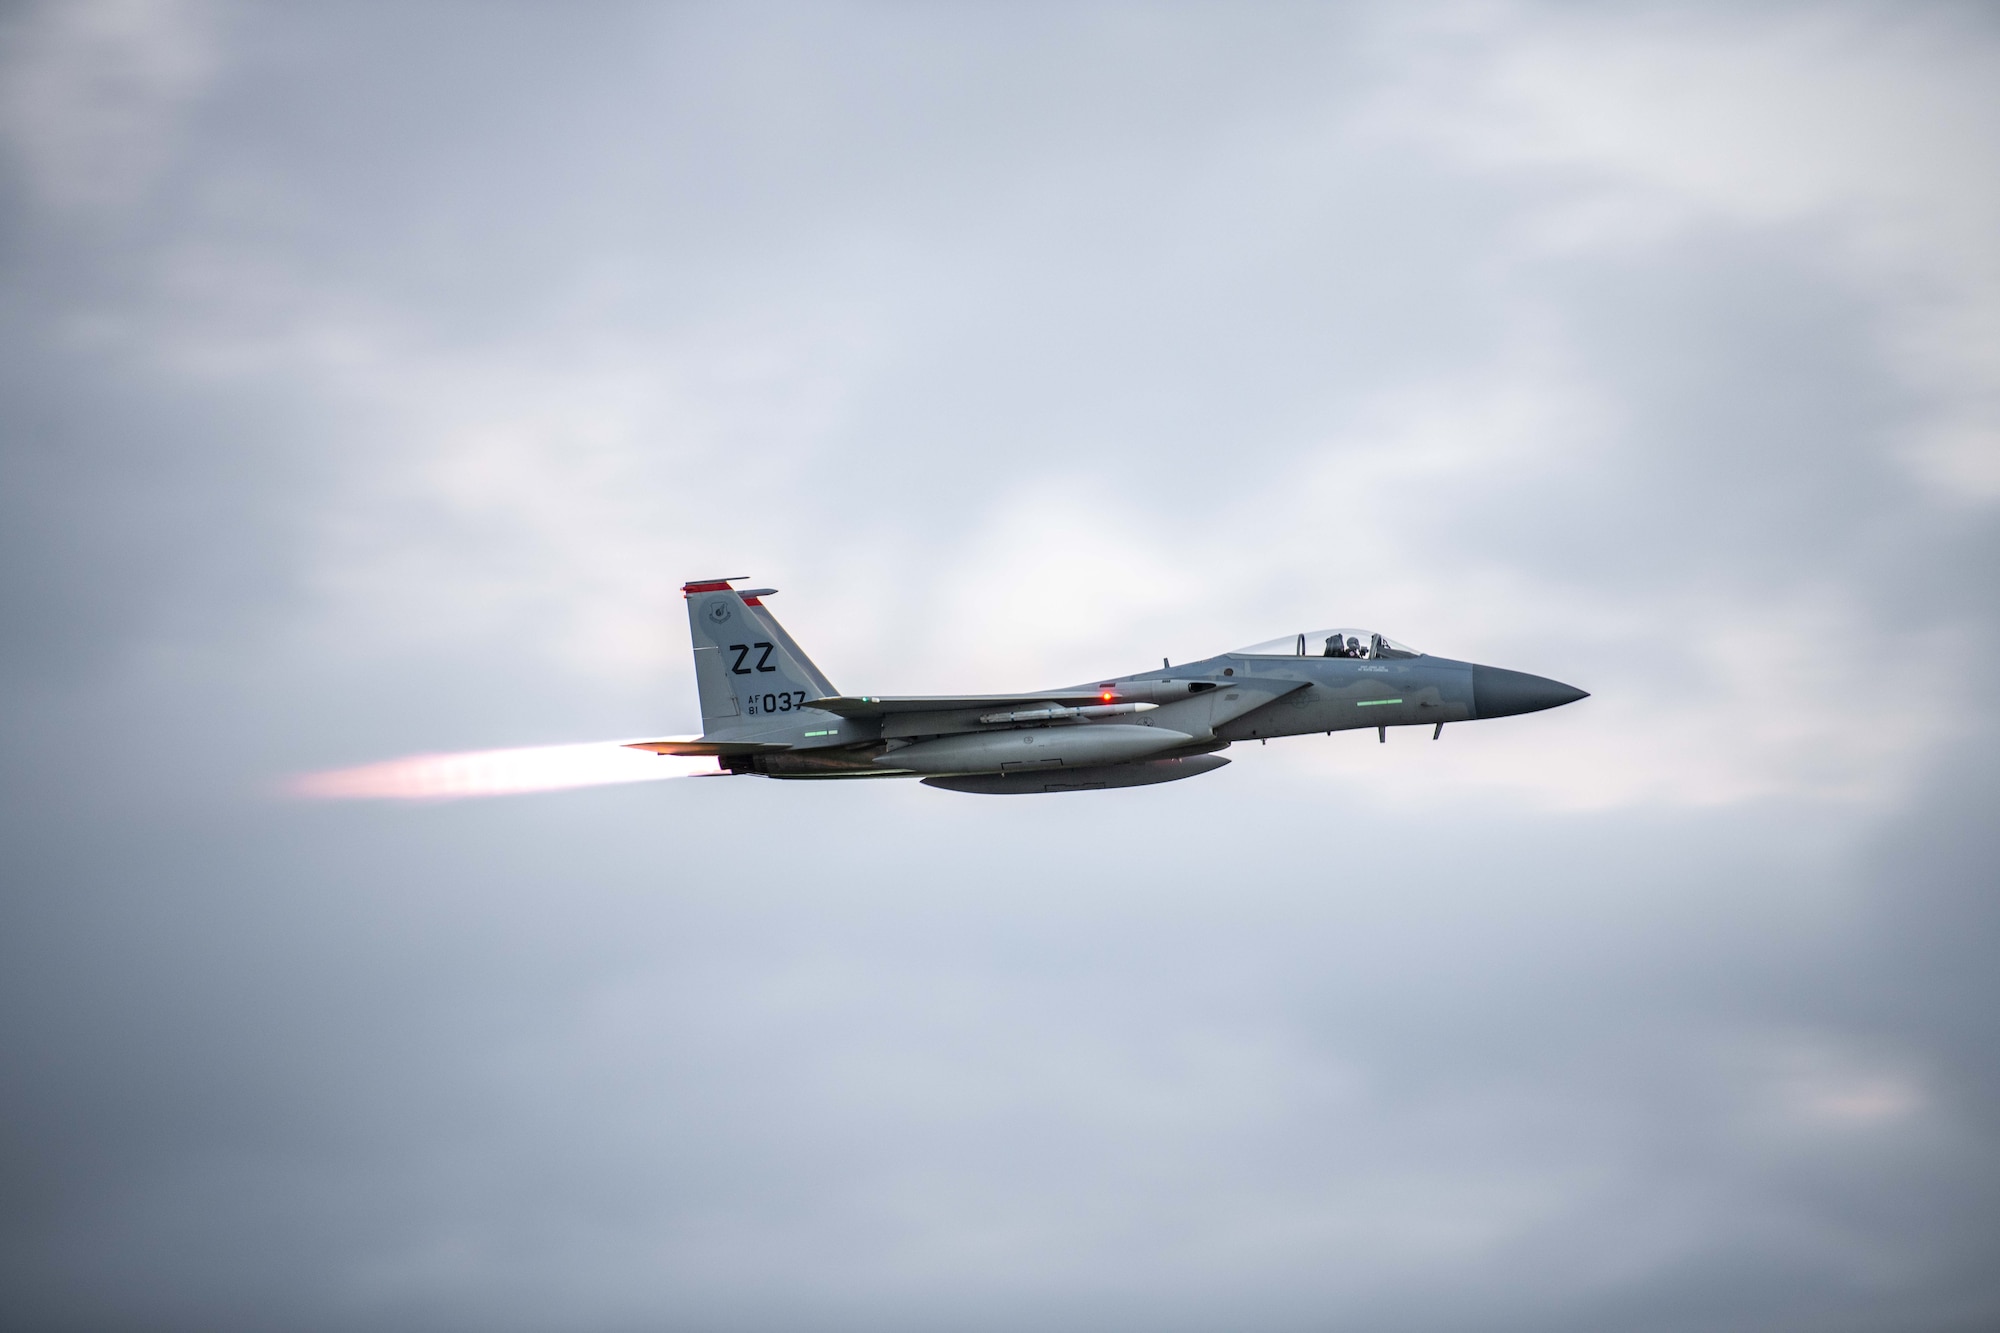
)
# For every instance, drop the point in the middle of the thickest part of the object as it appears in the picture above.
(1371, 703)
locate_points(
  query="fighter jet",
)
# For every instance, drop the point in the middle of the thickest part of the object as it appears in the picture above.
(766, 709)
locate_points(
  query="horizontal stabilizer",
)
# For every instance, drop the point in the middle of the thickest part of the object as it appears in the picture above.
(883, 706)
(697, 746)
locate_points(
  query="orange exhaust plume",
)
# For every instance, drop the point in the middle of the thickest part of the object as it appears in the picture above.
(443, 777)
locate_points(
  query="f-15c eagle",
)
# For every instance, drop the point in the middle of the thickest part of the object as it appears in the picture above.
(765, 708)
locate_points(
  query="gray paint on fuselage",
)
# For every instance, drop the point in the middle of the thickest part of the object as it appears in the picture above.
(1327, 694)
(1255, 698)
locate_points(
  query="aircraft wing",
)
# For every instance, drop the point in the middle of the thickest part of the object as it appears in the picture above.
(885, 705)
(697, 747)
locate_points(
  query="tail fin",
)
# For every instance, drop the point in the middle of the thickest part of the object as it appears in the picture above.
(745, 666)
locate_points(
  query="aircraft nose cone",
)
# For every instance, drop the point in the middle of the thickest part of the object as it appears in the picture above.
(1497, 692)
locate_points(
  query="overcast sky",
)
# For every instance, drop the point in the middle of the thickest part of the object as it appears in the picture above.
(371, 378)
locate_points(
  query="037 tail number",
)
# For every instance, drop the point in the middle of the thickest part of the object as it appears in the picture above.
(776, 703)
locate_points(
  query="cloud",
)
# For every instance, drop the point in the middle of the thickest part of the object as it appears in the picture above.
(1863, 133)
(93, 96)
(1017, 346)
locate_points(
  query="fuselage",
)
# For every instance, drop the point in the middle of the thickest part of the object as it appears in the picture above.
(1192, 709)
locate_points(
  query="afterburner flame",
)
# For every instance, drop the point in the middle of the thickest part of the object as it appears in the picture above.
(434, 777)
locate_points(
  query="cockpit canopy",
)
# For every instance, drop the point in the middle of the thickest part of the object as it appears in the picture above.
(1345, 642)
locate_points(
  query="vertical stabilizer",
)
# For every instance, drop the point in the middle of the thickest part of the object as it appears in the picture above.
(746, 668)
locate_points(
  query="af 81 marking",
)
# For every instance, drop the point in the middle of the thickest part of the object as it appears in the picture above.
(776, 703)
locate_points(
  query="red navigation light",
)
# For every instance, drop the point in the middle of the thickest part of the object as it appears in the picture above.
(1107, 696)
